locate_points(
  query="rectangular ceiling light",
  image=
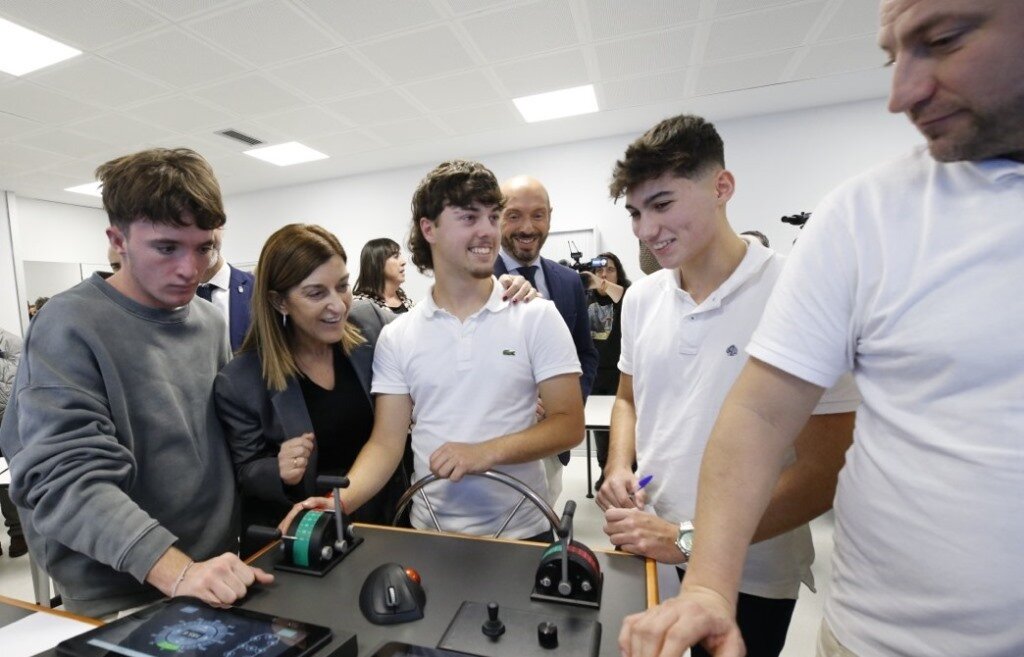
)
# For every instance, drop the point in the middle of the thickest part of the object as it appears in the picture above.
(557, 104)
(23, 51)
(92, 189)
(286, 154)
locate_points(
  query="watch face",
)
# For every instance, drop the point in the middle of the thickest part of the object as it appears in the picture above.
(686, 541)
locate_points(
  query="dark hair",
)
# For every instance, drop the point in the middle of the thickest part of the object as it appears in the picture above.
(160, 185)
(375, 253)
(459, 183)
(761, 237)
(288, 257)
(623, 279)
(685, 145)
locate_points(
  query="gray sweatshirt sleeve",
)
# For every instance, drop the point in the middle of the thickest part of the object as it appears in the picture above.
(70, 471)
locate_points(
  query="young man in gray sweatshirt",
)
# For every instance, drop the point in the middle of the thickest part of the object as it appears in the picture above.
(118, 464)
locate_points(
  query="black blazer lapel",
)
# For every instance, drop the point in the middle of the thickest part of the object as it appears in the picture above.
(290, 407)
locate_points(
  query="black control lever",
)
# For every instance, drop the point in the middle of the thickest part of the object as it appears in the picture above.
(565, 534)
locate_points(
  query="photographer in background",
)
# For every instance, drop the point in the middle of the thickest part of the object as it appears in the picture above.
(605, 286)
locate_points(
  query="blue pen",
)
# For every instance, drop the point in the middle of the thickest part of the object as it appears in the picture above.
(641, 485)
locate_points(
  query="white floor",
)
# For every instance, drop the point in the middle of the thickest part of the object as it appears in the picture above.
(16, 582)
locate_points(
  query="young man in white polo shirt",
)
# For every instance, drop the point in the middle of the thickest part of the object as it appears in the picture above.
(909, 275)
(466, 368)
(684, 330)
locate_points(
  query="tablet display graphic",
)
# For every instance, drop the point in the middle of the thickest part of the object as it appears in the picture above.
(192, 630)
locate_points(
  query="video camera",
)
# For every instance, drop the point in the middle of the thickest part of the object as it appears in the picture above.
(591, 265)
(798, 219)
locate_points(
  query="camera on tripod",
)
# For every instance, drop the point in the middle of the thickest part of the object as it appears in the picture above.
(591, 265)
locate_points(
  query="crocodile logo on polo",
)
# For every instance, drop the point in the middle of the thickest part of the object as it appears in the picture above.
(508, 352)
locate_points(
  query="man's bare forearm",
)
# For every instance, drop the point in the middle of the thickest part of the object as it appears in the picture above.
(762, 415)
(622, 430)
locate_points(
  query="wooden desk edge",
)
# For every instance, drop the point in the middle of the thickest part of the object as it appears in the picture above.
(57, 612)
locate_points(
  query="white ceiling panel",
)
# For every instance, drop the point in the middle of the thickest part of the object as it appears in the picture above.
(250, 95)
(402, 81)
(359, 20)
(24, 158)
(179, 9)
(84, 24)
(11, 126)
(852, 17)
(454, 91)
(617, 18)
(117, 129)
(423, 54)
(545, 73)
(742, 73)
(263, 33)
(481, 119)
(523, 30)
(850, 55)
(462, 7)
(644, 54)
(342, 143)
(330, 75)
(406, 132)
(64, 143)
(643, 90)
(98, 81)
(32, 101)
(182, 114)
(376, 107)
(175, 57)
(775, 29)
(304, 122)
(726, 7)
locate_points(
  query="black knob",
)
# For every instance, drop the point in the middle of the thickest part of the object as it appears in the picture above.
(327, 481)
(262, 535)
(493, 627)
(547, 635)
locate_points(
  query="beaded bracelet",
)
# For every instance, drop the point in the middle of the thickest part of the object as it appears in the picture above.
(181, 577)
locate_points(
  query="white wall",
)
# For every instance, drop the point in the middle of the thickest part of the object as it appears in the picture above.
(10, 307)
(783, 163)
(58, 232)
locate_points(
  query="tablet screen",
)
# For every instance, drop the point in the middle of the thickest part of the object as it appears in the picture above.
(189, 628)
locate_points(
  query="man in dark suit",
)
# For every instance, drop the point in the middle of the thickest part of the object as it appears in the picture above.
(230, 290)
(525, 222)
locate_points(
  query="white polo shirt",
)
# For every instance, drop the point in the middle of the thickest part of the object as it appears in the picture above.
(911, 275)
(684, 358)
(469, 382)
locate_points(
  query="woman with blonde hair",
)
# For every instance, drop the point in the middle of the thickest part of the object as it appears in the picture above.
(295, 403)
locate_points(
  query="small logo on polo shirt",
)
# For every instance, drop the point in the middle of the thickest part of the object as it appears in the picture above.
(508, 352)
(732, 350)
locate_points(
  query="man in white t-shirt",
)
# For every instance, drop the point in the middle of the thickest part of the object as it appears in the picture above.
(909, 276)
(466, 368)
(683, 331)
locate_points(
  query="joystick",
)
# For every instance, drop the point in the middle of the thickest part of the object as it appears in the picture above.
(568, 572)
(493, 627)
(317, 540)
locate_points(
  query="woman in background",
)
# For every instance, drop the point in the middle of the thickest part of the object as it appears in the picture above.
(605, 289)
(381, 274)
(295, 403)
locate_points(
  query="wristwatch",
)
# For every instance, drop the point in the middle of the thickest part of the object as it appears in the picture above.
(684, 540)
